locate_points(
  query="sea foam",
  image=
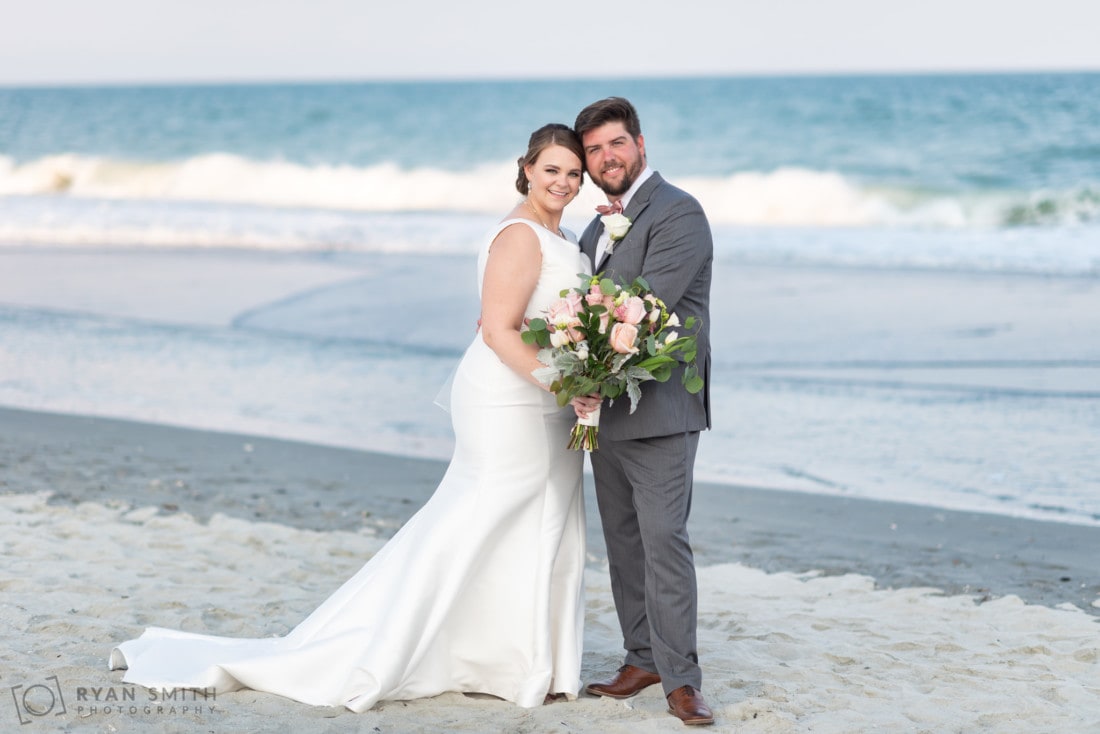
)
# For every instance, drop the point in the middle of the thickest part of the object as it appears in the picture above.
(786, 196)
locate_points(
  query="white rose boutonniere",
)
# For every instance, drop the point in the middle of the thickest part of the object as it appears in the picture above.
(617, 226)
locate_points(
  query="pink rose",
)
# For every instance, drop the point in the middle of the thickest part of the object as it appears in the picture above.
(570, 328)
(568, 306)
(623, 337)
(605, 317)
(594, 297)
(631, 311)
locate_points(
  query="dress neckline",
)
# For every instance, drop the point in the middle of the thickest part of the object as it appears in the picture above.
(537, 226)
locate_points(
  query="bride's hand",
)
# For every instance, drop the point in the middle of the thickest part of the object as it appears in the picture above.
(586, 404)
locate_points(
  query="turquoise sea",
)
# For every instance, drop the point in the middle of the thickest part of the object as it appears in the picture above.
(187, 165)
(259, 258)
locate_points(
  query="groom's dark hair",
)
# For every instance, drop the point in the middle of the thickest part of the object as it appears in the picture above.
(612, 109)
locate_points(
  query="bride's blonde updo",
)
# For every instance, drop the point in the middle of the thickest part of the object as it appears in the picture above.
(553, 134)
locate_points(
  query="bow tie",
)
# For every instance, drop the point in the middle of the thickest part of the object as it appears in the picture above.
(616, 207)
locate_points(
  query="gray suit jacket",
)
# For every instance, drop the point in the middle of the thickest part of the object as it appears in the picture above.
(669, 244)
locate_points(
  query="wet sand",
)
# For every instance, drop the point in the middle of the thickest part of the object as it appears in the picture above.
(314, 487)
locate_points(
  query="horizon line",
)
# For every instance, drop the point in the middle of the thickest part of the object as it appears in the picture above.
(473, 79)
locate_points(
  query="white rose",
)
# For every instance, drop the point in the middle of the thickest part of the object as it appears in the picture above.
(617, 225)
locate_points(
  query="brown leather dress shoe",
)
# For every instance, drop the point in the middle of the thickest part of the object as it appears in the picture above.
(687, 704)
(624, 684)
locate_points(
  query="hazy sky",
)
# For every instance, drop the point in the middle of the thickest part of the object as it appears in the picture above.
(59, 41)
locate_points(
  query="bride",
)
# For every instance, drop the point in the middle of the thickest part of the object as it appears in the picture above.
(481, 591)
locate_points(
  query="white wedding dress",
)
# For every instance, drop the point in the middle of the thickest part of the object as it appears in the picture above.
(481, 591)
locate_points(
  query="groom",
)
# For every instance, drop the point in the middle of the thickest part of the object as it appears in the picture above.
(643, 467)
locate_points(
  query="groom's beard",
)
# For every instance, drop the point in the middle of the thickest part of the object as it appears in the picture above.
(631, 172)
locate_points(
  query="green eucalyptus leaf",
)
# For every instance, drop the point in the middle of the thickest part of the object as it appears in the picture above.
(662, 373)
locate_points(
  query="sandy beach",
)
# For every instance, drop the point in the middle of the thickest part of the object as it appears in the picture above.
(824, 614)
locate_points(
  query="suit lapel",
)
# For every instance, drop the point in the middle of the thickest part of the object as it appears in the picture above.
(590, 238)
(640, 200)
(637, 205)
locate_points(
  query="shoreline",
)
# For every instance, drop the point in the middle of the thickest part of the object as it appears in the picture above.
(320, 488)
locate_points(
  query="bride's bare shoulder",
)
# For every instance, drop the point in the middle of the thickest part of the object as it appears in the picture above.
(516, 234)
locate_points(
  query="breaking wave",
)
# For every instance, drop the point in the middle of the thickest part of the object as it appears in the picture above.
(784, 197)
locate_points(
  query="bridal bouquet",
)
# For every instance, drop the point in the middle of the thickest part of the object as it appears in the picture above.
(603, 338)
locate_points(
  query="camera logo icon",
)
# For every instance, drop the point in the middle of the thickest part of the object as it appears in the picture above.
(38, 700)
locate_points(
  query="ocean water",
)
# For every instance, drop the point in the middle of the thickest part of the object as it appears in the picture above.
(329, 166)
(297, 260)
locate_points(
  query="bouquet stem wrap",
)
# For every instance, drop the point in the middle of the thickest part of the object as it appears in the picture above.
(584, 432)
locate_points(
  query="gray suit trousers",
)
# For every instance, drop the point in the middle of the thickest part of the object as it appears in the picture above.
(643, 489)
